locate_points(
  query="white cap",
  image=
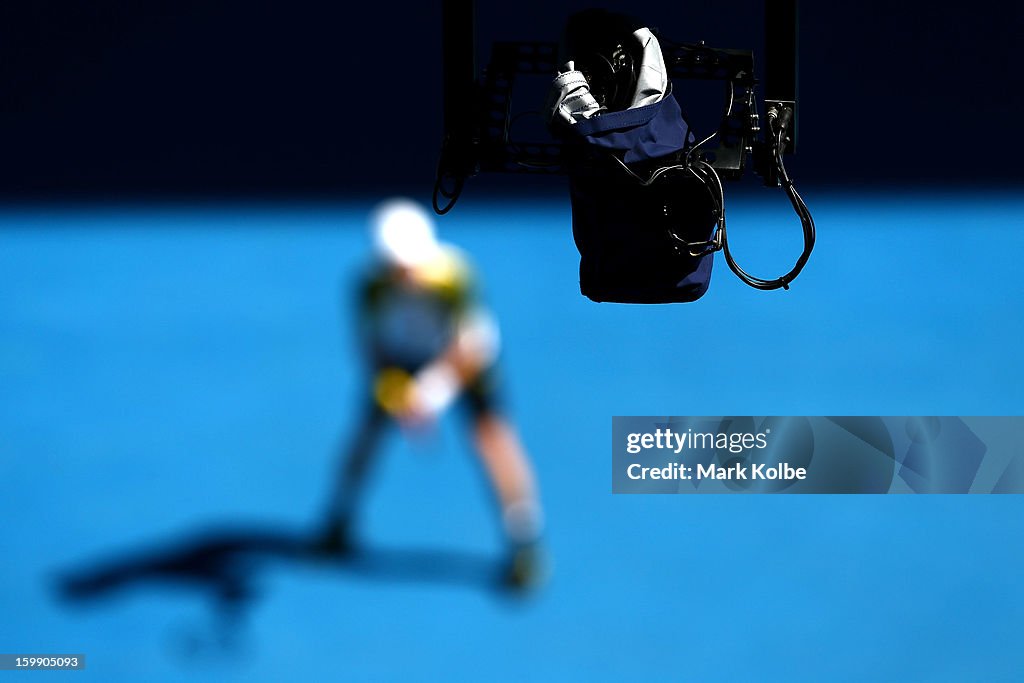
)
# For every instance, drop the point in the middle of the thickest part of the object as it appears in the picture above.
(403, 233)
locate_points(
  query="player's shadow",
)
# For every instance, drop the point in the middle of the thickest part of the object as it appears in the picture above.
(226, 564)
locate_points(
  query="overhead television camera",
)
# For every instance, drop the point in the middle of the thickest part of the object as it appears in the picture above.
(648, 200)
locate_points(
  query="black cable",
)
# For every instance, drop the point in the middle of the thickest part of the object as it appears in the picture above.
(706, 173)
(806, 221)
(439, 178)
(452, 196)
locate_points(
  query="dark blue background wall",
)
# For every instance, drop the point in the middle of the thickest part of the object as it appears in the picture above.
(248, 97)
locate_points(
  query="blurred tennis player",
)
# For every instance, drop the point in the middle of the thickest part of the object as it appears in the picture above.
(430, 344)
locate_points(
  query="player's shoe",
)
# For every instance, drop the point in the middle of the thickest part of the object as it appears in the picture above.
(526, 568)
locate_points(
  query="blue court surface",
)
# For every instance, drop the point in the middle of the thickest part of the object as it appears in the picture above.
(175, 374)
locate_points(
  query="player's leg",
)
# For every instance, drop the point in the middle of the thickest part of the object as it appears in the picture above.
(357, 459)
(511, 476)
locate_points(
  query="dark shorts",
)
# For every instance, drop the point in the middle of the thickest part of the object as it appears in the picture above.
(481, 395)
